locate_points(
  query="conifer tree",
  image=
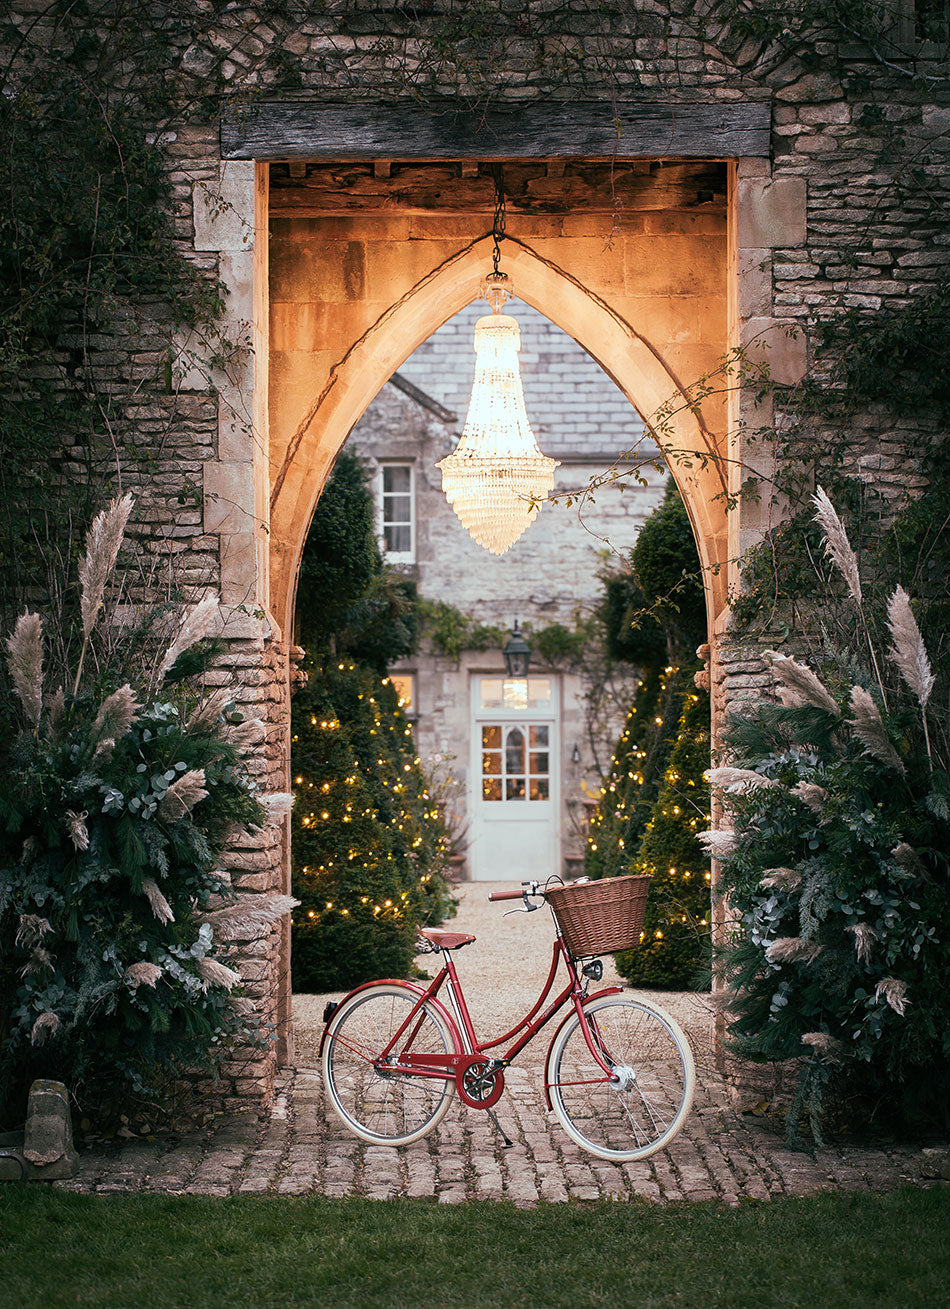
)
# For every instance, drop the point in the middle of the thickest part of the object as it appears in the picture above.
(675, 950)
(369, 846)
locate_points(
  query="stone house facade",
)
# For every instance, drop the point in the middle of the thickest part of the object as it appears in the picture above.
(551, 575)
(680, 185)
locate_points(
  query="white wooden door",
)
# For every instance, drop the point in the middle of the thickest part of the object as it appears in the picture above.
(514, 833)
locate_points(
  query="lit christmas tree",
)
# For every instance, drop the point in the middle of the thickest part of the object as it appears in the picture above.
(369, 846)
(675, 949)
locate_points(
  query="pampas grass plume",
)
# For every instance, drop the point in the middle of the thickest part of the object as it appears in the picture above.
(116, 714)
(182, 796)
(102, 549)
(199, 624)
(780, 879)
(894, 992)
(908, 651)
(204, 717)
(25, 659)
(800, 686)
(46, 1025)
(215, 973)
(77, 829)
(737, 780)
(249, 917)
(30, 929)
(864, 938)
(824, 1043)
(812, 794)
(837, 546)
(792, 950)
(868, 727)
(720, 844)
(277, 803)
(160, 906)
(142, 974)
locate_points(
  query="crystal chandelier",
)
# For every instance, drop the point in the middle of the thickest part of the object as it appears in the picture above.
(496, 476)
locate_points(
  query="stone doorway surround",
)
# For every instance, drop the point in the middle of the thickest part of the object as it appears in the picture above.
(273, 458)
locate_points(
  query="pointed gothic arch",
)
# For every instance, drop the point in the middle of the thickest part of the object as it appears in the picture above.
(623, 349)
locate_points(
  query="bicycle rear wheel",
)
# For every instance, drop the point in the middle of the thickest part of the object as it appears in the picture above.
(385, 1108)
(641, 1108)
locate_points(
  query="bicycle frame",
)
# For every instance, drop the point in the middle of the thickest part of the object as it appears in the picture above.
(456, 1014)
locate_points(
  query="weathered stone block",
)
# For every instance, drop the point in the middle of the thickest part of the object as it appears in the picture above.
(48, 1140)
(772, 212)
(780, 345)
(224, 211)
(228, 497)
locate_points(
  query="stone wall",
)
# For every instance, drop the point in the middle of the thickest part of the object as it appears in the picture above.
(847, 211)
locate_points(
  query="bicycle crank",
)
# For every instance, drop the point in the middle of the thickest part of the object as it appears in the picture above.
(479, 1082)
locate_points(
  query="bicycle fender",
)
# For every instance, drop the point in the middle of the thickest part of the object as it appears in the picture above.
(407, 986)
(596, 995)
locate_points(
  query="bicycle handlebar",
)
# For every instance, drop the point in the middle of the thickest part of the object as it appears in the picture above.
(505, 895)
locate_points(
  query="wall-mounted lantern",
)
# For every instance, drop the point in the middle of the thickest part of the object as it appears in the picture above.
(517, 654)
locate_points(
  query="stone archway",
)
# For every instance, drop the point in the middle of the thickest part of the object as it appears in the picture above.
(260, 526)
(353, 294)
(368, 346)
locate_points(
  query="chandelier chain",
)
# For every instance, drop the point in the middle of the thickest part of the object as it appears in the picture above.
(498, 222)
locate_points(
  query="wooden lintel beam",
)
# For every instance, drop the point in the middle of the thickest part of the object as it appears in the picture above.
(294, 130)
(382, 167)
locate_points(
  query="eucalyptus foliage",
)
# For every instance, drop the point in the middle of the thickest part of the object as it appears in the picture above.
(836, 870)
(121, 788)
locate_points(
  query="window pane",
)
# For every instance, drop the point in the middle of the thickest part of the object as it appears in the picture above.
(539, 690)
(539, 738)
(515, 788)
(491, 788)
(492, 695)
(397, 478)
(539, 763)
(491, 738)
(397, 509)
(491, 763)
(403, 682)
(539, 788)
(514, 750)
(515, 693)
(398, 540)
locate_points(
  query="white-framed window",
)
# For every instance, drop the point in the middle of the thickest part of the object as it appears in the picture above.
(397, 512)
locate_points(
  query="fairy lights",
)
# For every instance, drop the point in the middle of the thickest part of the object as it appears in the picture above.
(371, 848)
(626, 836)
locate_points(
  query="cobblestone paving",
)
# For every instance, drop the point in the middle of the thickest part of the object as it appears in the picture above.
(301, 1147)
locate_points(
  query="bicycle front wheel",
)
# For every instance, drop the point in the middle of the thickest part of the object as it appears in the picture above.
(641, 1107)
(385, 1108)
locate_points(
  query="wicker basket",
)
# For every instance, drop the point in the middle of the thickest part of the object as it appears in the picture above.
(600, 917)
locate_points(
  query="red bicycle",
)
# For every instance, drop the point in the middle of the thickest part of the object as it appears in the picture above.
(619, 1072)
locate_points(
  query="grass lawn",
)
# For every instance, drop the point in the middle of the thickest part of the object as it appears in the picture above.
(168, 1251)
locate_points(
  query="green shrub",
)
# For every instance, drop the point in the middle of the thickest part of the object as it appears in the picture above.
(675, 952)
(369, 845)
(837, 873)
(113, 948)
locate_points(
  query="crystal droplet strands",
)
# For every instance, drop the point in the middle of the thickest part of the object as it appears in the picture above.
(497, 476)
